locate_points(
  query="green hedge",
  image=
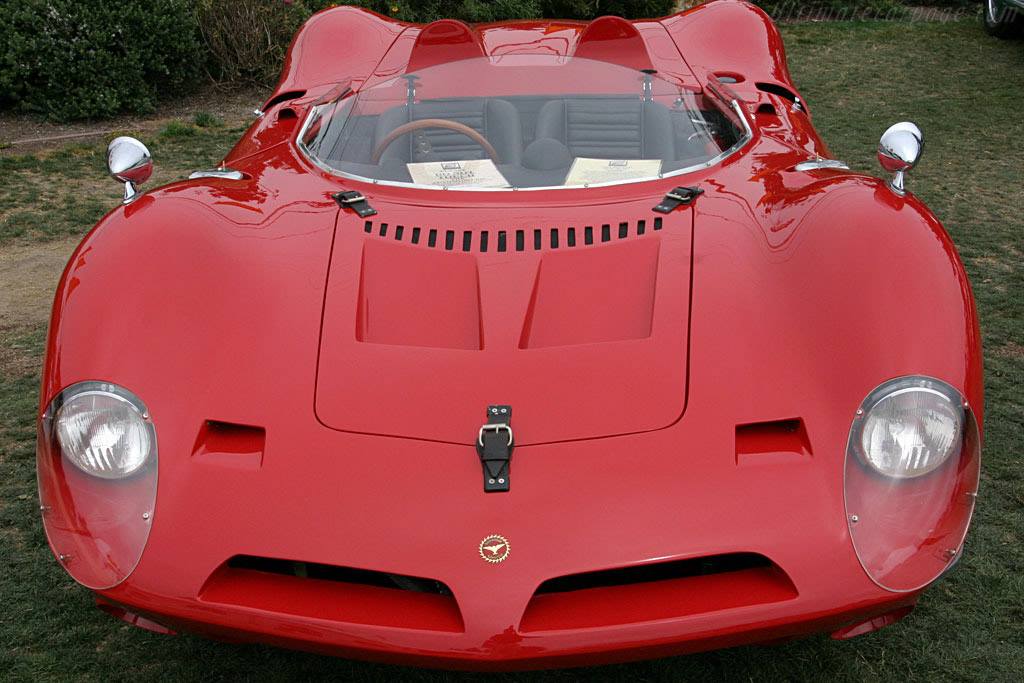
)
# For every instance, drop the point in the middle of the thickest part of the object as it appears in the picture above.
(795, 9)
(498, 10)
(860, 9)
(76, 59)
(246, 39)
(68, 59)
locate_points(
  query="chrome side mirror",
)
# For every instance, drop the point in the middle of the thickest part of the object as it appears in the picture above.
(129, 161)
(899, 151)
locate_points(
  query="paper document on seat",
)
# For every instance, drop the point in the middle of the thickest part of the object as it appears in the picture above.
(586, 171)
(470, 173)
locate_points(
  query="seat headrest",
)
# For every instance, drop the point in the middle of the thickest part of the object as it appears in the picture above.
(614, 40)
(443, 41)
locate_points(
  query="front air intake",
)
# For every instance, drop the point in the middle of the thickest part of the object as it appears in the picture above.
(330, 572)
(651, 592)
(335, 593)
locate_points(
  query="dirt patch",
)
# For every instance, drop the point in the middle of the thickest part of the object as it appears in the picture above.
(23, 134)
(12, 536)
(1010, 349)
(993, 263)
(15, 362)
(28, 279)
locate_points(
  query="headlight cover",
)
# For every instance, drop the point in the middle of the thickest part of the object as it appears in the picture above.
(96, 459)
(911, 479)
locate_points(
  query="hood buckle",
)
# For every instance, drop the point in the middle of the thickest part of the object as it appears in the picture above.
(681, 196)
(494, 445)
(355, 201)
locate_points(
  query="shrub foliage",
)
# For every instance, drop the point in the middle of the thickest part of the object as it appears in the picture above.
(68, 59)
(833, 9)
(247, 39)
(851, 9)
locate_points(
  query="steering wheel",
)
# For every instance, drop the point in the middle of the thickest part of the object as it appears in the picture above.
(413, 126)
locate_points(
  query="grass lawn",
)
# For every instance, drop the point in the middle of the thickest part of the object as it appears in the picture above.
(965, 90)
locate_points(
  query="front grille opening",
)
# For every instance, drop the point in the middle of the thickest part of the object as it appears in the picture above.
(312, 590)
(328, 572)
(655, 592)
(662, 571)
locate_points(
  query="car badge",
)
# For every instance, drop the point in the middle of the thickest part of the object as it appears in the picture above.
(494, 549)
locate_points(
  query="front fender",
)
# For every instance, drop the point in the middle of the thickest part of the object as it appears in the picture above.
(190, 310)
(808, 299)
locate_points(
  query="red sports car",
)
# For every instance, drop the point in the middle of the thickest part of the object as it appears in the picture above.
(519, 345)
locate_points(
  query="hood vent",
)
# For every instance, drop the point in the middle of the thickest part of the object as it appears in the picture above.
(520, 239)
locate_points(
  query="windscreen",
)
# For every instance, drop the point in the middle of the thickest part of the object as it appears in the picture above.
(519, 122)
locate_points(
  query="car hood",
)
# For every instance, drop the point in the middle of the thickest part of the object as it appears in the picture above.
(582, 329)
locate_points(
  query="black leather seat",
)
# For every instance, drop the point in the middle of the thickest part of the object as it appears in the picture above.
(495, 119)
(609, 127)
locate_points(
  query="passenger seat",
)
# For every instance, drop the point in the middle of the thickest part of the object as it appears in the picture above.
(609, 127)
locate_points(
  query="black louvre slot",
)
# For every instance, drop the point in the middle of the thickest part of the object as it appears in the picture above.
(328, 572)
(662, 571)
(553, 239)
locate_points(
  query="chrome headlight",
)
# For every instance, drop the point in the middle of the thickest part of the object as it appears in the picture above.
(102, 429)
(909, 427)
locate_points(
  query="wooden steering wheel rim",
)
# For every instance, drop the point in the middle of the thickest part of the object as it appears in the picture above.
(435, 123)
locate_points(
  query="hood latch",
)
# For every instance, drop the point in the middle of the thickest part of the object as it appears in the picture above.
(494, 446)
(355, 201)
(681, 196)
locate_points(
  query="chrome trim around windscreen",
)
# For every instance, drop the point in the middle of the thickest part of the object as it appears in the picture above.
(748, 135)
